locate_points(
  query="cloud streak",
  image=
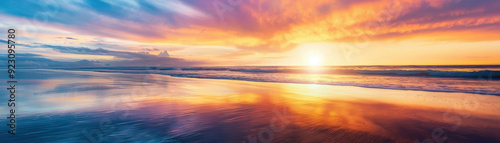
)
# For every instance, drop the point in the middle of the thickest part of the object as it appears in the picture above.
(260, 26)
(121, 58)
(259, 21)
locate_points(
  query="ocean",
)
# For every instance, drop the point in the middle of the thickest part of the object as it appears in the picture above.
(478, 79)
(223, 104)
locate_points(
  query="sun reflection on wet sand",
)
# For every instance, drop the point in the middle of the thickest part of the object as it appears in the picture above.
(207, 110)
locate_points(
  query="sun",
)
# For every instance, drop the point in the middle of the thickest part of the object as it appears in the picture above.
(314, 61)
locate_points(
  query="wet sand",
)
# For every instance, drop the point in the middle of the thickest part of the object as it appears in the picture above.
(62, 106)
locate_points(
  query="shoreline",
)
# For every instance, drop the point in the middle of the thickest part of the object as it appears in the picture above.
(375, 87)
(398, 94)
(179, 107)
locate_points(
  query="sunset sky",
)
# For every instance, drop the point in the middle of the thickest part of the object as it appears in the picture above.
(254, 32)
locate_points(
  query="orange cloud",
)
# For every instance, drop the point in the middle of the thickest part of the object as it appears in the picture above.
(262, 27)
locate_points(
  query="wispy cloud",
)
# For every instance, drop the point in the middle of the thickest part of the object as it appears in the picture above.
(259, 26)
(121, 58)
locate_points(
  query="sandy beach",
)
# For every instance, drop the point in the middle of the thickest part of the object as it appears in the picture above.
(61, 106)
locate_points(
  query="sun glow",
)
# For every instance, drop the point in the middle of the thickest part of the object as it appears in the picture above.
(314, 61)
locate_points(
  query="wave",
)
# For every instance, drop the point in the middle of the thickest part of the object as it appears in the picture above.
(422, 73)
(465, 79)
(389, 71)
(379, 85)
(398, 79)
(435, 73)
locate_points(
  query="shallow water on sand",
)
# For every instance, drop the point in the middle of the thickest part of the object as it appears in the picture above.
(81, 106)
(478, 79)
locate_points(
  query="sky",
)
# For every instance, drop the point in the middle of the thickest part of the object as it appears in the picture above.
(52, 33)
